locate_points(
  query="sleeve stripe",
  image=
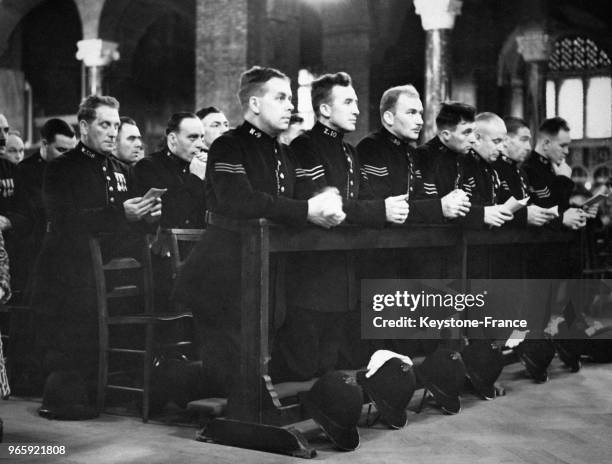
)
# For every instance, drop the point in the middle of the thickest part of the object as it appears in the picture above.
(229, 171)
(310, 171)
(314, 175)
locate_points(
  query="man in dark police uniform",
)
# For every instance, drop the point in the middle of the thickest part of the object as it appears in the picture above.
(249, 175)
(86, 191)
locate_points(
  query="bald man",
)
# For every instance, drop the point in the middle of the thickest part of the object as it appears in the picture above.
(480, 179)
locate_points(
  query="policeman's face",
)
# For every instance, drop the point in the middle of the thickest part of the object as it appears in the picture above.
(273, 107)
(187, 141)
(101, 133)
(406, 120)
(490, 139)
(4, 129)
(215, 124)
(557, 147)
(129, 144)
(341, 111)
(60, 145)
(518, 145)
(462, 138)
(14, 149)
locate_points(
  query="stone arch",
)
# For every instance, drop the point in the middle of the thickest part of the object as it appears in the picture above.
(40, 51)
(154, 75)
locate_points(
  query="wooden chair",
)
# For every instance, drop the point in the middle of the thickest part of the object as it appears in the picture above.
(142, 289)
(175, 238)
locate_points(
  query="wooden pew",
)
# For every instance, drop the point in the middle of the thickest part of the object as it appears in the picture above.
(255, 416)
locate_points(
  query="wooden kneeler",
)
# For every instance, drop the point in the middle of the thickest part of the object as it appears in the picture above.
(281, 431)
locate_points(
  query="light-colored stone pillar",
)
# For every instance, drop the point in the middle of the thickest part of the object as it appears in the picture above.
(437, 18)
(95, 55)
(534, 47)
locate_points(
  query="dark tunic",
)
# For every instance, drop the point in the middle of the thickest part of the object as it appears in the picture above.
(393, 169)
(546, 188)
(513, 183)
(325, 281)
(183, 204)
(249, 175)
(83, 194)
(445, 169)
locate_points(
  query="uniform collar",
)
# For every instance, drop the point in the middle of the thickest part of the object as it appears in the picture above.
(180, 161)
(88, 152)
(437, 145)
(327, 132)
(255, 132)
(507, 160)
(392, 138)
(540, 158)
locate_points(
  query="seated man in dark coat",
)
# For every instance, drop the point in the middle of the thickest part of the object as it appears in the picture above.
(180, 169)
(86, 191)
(250, 175)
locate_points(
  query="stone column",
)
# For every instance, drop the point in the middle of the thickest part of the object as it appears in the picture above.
(437, 18)
(534, 47)
(95, 55)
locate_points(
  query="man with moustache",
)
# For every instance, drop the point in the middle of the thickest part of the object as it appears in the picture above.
(180, 169)
(129, 142)
(86, 191)
(250, 175)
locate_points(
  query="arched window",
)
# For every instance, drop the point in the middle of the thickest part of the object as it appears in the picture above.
(579, 89)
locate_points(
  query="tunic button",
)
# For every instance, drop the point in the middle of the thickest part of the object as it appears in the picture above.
(186, 221)
(112, 199)
(282, 189)
(351, 182)
(110, 189)
(351, 170)
(108, 178)
(351, 195)
(104, 168)
(282, 176)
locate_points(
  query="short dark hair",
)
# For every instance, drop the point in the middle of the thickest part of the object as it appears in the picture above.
(513, 124)
(125, 120)
(252, 80)
(322, 88)
(54, 127)
(87, 108)
(452, 113)
(553, 126)
(296, 119)
(203, 112)
(390, 96)
(175, 120)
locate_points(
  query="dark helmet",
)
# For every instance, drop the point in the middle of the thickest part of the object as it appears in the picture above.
(536, 355)
(484, 364)
(443, 374)
(335, 403)
(391, 389)
(65, 397)
(599, 346)
(570, 345)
